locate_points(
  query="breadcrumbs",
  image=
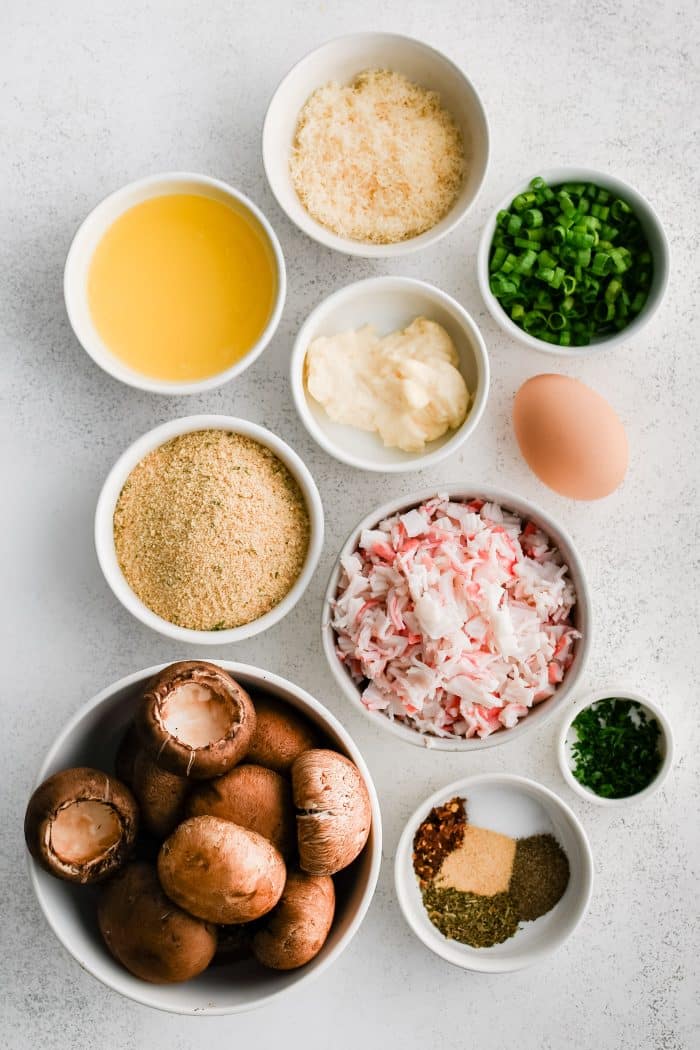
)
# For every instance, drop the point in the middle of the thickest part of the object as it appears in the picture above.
(211, 530)
(379, 160)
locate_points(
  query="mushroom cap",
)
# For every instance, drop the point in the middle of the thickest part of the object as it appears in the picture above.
(296, 930)
(229, 706)
(160, 794)
(81, 824)
(148, 934)
(281, 734)
(221, 872)
(334, 815)
(252, 797)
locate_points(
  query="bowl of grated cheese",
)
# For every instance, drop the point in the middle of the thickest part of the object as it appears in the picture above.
(375, 145)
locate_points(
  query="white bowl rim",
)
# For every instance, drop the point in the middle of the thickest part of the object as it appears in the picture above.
(234, 667)
(421, 460)
(107, 361)
(491, 964)
(507, 500)
(109, 494)
(619, 692)
(365, 249)
(552, 176)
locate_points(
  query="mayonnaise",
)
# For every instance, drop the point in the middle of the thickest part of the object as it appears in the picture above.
(405, 386)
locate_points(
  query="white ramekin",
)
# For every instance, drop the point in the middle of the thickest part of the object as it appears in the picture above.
(389, 303)
(91, 739)
(341, 60)
(534, 941)
(582, 619)
(658, 244)
(104, 526)
(92, 230)
(666, 747)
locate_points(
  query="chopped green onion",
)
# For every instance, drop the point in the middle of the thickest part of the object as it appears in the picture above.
(569, 263)
(533, 217)
(602, 262)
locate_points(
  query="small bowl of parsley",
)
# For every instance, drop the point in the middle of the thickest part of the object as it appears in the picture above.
(615, 748)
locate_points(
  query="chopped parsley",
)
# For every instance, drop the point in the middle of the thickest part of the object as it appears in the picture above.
(616, 751)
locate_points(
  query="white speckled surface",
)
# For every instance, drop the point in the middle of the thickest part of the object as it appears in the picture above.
(98, 93)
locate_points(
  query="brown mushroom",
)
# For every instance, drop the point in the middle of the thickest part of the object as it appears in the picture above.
(195, 720)
(296, 930)
(81, 824)
(334, 815)
(127, 750)
(219, 871)
(148, 934)
(161, 795)
(281, 735)
(253, 797)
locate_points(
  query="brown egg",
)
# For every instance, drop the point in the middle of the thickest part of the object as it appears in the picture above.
(570, 437)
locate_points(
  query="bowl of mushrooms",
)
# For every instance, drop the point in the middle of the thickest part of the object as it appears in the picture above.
(204, 837)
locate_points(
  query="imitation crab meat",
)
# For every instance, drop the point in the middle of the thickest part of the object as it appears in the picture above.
(455, 618)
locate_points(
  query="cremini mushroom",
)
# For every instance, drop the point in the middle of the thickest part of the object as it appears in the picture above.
(281, 734)
(81, 824)
(334, 815)
(148, 934)
(127, 750)
(195, 720)
(221, 872)
(253, 797)
(160, 794)
(296, 930)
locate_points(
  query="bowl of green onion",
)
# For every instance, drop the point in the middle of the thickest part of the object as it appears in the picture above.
(615, 748)
(573, 261)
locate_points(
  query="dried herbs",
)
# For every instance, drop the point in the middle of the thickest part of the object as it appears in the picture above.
(540, 875)
(471, 918)
(518, 879)
(616, 751)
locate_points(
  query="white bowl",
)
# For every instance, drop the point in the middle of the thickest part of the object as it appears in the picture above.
(341, 60)
(567, 736)
(92, 230)
(104, 526)
(512, 806)
(658, 245)
(389, 303)
(581, 617)
(91, 738)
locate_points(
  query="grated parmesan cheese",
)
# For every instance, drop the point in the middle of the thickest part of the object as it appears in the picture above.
(378, 160)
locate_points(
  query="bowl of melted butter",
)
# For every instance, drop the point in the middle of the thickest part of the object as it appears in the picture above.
(175, 283)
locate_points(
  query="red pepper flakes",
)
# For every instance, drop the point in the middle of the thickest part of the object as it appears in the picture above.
(441, 832)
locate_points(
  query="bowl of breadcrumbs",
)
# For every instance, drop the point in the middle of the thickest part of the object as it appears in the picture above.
(208, 529)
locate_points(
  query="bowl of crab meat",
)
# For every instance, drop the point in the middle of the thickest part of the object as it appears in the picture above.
(457, 620)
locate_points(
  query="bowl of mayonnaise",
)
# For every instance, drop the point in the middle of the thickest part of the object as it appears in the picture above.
(390, 374)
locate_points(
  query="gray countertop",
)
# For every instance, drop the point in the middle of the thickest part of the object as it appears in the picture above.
(99, 93)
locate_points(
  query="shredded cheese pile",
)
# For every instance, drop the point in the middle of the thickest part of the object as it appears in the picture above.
(378, 160)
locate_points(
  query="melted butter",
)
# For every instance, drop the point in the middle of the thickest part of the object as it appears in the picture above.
(182, 286)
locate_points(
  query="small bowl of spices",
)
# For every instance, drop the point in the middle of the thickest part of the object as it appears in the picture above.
(208, 529)
(493, 873)
(616, 748)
